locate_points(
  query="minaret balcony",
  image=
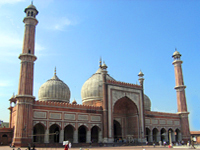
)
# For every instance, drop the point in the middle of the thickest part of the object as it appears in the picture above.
(30, 20)
(27, 57)
(180, 87)
(177, 62)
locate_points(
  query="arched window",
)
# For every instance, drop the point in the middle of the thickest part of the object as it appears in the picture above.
(29, 51)
(28, 13)
(31, 13)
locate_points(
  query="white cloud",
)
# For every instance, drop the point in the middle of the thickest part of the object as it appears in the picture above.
(10, 41)
(61, 23)
(4, 83)
(39, 47)
(10, 1)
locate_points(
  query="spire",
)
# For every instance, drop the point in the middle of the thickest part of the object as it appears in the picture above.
(55, 76)
(32, 2)
(55, 71)
(100, 64)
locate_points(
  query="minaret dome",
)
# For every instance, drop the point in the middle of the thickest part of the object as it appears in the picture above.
(31, 11)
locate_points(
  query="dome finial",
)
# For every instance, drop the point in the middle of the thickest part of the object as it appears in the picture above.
(32, 2)
(55, 71)
(100, 64)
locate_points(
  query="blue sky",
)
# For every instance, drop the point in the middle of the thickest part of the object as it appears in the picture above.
(129, 35)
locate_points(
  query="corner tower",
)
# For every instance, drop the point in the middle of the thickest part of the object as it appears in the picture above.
(25, 98)
(181, 99)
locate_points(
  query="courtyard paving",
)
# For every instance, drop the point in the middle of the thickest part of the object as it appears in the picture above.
(109, 148)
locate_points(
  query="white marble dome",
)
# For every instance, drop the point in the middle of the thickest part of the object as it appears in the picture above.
(54, 90)
(92, 89)
(147, 103)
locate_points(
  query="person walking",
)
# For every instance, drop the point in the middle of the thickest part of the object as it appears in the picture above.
(66, 146)
(192, 143)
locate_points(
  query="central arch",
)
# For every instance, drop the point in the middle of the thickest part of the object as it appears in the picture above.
(125, 117)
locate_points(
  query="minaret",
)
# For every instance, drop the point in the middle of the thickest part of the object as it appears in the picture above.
(25, 98)
(181, 99)
(141, 80)
(105, 103)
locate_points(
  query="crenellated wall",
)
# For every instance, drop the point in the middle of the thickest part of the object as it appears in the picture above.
(67, 105)
(124, 84)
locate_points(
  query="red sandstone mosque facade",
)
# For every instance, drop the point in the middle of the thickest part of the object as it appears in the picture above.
(110, 110)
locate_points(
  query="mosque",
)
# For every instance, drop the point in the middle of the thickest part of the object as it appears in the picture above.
(111, 111)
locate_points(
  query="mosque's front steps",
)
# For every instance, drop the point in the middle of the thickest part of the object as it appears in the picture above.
(87, 144)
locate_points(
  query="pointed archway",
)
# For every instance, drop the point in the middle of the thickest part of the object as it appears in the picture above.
(4, 139)
(155, 135)
(177, 135)
(117, 130)
(82, 134)
(54, 132)
(163, 135)
(69, 133)
(95, 134)
(38, 133)
(148, 134)
(126, 117)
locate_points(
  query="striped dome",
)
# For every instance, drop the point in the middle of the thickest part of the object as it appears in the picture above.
(54, 90)
(92, 89)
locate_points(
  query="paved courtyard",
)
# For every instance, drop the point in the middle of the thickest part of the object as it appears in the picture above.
(109, 148)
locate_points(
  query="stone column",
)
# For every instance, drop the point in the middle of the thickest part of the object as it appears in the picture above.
(166, 137)
(75, 136)
(88, 136)
(46, 136)
(158, 136)
(61, 136)
(170, 137)
(173, 137)
(100, 137)
(150, 137)
(180, 137)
